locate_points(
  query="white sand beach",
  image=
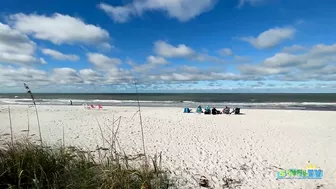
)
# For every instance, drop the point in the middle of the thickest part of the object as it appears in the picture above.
(249, 148)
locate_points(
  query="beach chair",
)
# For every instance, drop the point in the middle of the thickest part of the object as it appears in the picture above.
(226, 110)
(92, 106)
(235, 111)
(186, 110)
(100, 106)
(86, 106)
(199, 110)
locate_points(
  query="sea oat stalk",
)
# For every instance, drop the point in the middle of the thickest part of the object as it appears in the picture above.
(37, 116)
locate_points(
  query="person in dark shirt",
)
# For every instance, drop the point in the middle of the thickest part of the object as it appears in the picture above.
(214, 111)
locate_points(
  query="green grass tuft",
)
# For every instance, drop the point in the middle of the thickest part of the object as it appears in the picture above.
(27, 165)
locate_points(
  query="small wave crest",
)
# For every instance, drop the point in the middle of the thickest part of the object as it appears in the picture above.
(77, 101)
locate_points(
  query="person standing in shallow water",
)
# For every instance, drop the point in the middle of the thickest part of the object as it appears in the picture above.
(71, 102)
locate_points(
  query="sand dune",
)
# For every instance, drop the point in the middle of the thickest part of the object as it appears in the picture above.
(243, 151)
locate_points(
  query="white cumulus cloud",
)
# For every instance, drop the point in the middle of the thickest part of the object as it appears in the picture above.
(282, 60)
(183, 10)
(10, 76)
(110, 66)
(151, 63)
(60, 29)
(316, 63)
(90, 76)
(16, 47)
(103, 62)
(259, 70)
(225, 52)
(156, 60)
(294, 48)
(65, 75)
(166, 50)
(251, 2)
(120, 14)
(60, 56)
(270, 38)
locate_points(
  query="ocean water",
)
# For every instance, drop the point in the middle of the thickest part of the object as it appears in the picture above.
(322, 101)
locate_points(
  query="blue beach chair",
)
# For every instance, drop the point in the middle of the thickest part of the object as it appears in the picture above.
(186, 110)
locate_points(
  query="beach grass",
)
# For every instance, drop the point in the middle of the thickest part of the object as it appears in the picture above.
(24, 164)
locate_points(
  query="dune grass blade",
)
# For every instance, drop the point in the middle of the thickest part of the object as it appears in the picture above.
(10, 125)
(142, 130)
(28, 126)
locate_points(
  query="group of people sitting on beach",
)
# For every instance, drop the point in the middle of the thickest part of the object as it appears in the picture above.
(214, 111)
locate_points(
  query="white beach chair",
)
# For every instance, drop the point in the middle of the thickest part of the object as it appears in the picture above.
(86, 106)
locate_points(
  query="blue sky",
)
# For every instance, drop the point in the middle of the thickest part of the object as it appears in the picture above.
(168, 45)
